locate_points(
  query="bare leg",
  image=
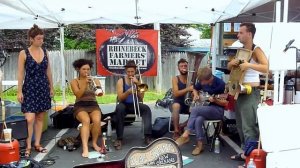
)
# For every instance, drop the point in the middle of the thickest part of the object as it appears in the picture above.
(96, 129)
(38, 128)
(84, 118)
(30, 121)
(175, 116)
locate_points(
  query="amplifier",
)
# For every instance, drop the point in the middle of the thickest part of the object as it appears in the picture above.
(18, 124)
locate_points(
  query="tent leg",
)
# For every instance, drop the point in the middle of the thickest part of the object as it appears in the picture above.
(159, 66)
(63, 72)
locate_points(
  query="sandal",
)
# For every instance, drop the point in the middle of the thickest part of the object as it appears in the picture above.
(103, 150)
(118, 144)
(40, 149)
(237, 157)
(176, 135)
(27, 152)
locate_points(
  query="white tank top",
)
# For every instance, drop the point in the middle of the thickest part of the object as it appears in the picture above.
(252, 76)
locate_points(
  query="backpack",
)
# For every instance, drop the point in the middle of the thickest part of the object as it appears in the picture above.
(160, 127)
(167, 100)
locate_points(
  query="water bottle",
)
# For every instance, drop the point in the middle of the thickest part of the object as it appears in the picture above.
(104, 138)
(217, 146)
(251, 164)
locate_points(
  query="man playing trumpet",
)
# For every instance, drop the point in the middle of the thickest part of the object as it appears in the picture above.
(129, 97)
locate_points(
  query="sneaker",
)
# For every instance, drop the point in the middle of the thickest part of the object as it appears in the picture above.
(182, 140)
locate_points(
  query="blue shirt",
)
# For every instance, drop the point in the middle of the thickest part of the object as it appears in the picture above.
(129, 99)
(217, 86)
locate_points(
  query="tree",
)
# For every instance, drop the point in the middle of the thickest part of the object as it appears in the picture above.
(205, 30)
(170, 34)
(80, 37)
(83, 36)
(16, 40)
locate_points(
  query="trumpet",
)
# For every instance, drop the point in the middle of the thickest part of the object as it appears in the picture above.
(94, 87)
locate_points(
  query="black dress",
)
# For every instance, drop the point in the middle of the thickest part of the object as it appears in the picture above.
(36, 88)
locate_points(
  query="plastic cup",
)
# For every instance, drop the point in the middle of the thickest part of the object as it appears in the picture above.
(7, 134)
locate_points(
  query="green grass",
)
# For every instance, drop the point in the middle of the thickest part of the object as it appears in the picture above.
(150, 96)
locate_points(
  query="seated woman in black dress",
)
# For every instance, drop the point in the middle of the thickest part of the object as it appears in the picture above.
(86, 109)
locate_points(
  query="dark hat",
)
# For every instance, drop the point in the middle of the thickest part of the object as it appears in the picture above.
(130, 64)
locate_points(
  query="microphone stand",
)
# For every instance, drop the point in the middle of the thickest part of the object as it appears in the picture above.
(288, 46)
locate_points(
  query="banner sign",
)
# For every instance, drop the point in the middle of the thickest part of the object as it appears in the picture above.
(115, 47)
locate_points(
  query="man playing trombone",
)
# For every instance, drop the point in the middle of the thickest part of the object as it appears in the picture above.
(129, 96)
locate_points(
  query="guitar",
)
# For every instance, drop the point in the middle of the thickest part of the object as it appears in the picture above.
(162, 152)
(204, 98)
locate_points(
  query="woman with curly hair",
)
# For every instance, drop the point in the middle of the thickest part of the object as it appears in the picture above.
(86, 108)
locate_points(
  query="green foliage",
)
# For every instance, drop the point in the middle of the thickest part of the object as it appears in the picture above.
(150, 96)
(80, 37)
(205, 30)
(83, 36)
(171, 34)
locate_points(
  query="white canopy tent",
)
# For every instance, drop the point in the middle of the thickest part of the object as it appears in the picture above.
(22, 14)
(15, 13)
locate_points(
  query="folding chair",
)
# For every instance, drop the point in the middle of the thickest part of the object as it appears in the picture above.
(211, 135)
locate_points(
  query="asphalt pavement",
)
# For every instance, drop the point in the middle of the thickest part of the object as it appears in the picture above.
(132, 138)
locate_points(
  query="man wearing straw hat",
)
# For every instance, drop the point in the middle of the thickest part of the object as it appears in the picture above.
(129, 98)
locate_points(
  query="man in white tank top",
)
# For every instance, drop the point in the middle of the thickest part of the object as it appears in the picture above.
(246, 104)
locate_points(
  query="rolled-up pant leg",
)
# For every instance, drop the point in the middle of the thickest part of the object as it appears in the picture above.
(201, 113)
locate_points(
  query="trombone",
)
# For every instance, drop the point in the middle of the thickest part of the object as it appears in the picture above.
(142, 87)
(136, 106)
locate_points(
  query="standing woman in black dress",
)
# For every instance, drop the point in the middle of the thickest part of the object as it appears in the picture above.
(35, 86)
